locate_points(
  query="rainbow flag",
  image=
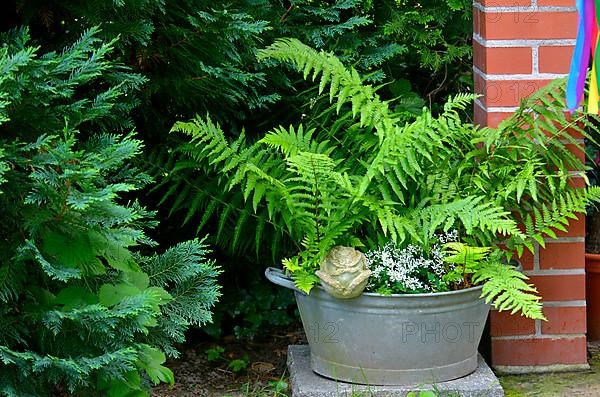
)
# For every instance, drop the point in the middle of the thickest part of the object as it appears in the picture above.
(585, 46)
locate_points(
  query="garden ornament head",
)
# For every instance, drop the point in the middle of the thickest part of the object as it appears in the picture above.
(344, 272)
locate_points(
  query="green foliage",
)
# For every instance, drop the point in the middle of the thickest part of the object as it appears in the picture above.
(272, 388)
(84, 309)
(259, 168)
(531, 164)
(359, 174)
(215, 354)
(405, 144)
(196, 52)
(238, 364)
(106, 103)
(507, 289)
(278, 387)
(3, 168)
(503, 284)
(259, 308)
(250, 308)
(350, 28)
(199, 57)
(189, 278)
(436, 31)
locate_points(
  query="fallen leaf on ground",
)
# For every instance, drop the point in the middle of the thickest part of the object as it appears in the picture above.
(262, 367)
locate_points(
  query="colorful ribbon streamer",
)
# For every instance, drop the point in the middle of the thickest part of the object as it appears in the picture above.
(587, 43)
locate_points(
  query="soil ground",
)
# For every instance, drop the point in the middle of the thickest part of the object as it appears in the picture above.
(265, 373)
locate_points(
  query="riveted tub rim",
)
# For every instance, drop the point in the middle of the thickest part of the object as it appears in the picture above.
(376, 295)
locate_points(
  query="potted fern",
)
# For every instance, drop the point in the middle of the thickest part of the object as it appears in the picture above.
(592, 250)
(360, 176)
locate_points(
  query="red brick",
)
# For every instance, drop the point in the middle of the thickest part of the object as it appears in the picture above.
(546, 351)
(556, 3)
(576, 228)
(507, 25)
(575, 134)
(577, 149)
(491, 119)
(476, 25)
(505, 3)
(564, 320)
(479, 115)
(502, 93)
(505, 324)
(560, 287)
(555, 59)
(577, 182)
(526, 259)
(502, 60)
(479, 85)
(563, 256)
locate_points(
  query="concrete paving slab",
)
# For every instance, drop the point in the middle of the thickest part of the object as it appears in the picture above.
(306, 383)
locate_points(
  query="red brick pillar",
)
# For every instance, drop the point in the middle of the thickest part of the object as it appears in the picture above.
(520, 45)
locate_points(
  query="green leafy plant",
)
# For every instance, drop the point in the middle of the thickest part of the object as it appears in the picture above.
(200, 55)
(253, 310)
(216, 354)
(294, 165)
(86, 306)
(238, 364)
(222, 78)
(260, 309)
(358, 174)
(278, 386)
(503, 284)
(273, 388)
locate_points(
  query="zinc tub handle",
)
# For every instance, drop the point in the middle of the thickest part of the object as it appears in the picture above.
(276, 276)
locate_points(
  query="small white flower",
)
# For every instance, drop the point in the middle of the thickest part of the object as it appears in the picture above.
(391, 265)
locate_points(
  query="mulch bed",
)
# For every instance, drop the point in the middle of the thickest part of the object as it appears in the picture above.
(195, 375)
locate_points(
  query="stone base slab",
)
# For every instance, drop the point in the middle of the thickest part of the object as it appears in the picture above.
(305, 383)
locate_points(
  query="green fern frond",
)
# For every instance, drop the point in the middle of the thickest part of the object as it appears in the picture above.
(464, 255)
(345, 84)
(503, 285)
(506, 288)
(289, 141)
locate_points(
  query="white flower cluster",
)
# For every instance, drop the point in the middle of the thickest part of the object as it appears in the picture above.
(406, 266)
(449, 237)
(399, 265)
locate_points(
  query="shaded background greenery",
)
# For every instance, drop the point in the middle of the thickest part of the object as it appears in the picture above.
(199, 58)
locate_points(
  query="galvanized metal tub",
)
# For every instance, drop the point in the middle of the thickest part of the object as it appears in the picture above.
(391, 340)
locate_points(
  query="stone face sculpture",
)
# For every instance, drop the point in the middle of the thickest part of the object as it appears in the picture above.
(344, 272)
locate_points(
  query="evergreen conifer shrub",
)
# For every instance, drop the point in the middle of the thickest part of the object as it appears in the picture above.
(86, 308)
